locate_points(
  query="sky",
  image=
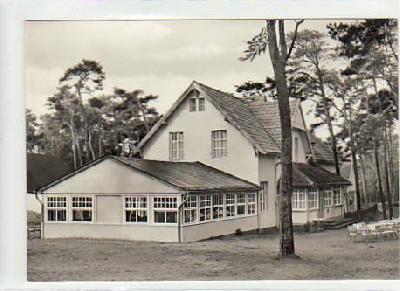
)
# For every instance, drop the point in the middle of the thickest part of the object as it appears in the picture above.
(159, 57)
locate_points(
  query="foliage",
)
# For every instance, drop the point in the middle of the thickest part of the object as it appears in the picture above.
(82, 124)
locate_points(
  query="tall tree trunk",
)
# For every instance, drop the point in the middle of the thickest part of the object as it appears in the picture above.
(278, 59)
(85, 124)
(354, 159)
(386, 166)
(367, 196)
(73, 137)
(391, 162)
(378, 173)
(100, 143)
(328, 119)
(357, 182)
(79, 151)
(90, 145)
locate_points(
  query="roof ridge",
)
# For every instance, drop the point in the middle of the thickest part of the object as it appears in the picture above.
(151, 160)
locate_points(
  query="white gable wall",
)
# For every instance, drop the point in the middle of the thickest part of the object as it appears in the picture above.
(197, 126)
(109, 176)
(303, 146)
(266, 172)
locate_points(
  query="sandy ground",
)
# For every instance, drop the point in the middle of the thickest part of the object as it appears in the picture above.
(323, 255)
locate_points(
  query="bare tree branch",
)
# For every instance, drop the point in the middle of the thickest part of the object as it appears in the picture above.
(298, 23)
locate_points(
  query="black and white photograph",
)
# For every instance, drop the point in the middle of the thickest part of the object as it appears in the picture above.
(212, 149)
(208, 149)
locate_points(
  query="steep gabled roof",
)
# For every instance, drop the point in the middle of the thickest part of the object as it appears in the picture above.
(322, 152)
(186, 176)
(43, 168)
(235, 110)
(268, 114)
(312, 175)
(238, 112)
(258, 122)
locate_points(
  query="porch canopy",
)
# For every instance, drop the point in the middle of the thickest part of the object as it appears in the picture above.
(307, 175)
(313, 188)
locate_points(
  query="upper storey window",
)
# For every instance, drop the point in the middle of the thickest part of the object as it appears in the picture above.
(202, 104)
(197, 103)
(192, 104)
(219, 141)
(176, 145)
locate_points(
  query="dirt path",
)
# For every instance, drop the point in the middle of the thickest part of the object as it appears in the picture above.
(324, 255)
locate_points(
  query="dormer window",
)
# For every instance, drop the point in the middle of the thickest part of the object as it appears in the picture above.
(192, 104)
(197, 103)
(202, 104)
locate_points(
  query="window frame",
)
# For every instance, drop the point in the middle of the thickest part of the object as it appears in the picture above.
(176, 145)
(239, 203)
(335, 195)
(83, 208)
(138, 208)
(190, 205)
(219, 144)
(220, 206)
(163, 208)
(231, 205)
(56, 208)
(299, 199)
(206, 205)
(202, 104)
(192, 101)
(313, 192)
(263, 196)
(251, 204)
(325, 190)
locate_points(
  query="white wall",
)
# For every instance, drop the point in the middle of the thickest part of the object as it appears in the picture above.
(266, 172)
(109, 176)
(202, 231)
(109, 209)
(136, 232)
(303, 148)
(240, 161)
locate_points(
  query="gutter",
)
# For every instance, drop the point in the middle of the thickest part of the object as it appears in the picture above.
(41, 212)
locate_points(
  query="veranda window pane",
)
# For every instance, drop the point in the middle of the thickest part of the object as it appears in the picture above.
(61, 215)
(51, 215)
(142, 216)
(171, 217)
(159, 216)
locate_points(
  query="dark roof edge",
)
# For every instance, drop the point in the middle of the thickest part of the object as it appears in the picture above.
(145, 172)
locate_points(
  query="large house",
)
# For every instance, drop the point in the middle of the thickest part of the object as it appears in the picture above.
(211, 166)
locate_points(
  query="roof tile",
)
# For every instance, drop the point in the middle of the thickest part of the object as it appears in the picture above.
(189, 176)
